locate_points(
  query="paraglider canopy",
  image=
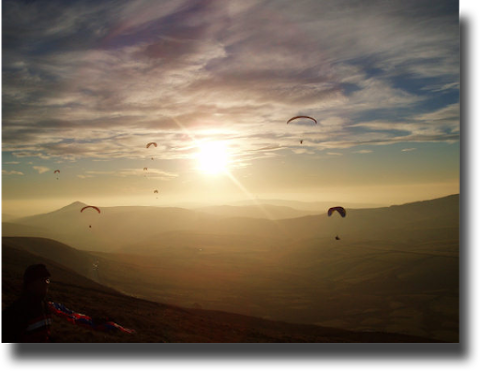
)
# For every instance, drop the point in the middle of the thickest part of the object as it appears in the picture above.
(93, 207)
(155, 191)
(151, 144)
(338, 209)
(56, 171)
(301, 117)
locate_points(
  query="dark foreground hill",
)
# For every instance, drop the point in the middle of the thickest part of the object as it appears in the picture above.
(157, 322)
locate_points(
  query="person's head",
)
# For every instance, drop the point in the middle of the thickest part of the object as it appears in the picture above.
(36, 279)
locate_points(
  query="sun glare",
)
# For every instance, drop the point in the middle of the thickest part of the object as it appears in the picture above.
(212, 158)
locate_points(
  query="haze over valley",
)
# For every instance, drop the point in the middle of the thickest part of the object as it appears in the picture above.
(395, 269)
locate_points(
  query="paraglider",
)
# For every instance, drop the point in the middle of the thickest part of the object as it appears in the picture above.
(57, 172)
(301, 117)
(155, 191)
(88, 207)
(343, 213)
(92, 207)
(339, 210)
(150, 144)
(86, 321)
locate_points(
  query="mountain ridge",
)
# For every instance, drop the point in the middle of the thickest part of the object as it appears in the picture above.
(120, 226)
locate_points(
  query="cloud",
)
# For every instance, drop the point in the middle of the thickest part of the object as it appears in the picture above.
(435, 126)
(41, 169)
(447, 116)
(363, 151)
(150, 173)
(408, 149)
(11, 172)
(97, 81)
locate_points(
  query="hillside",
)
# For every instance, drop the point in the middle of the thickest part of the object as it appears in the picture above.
(395, 269)
(155, 322)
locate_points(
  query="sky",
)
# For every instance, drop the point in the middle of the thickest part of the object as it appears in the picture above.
(86, 85)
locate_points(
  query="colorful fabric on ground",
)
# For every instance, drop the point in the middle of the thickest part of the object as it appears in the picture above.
(84, 320)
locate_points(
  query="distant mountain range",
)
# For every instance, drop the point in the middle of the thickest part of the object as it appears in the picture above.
(316, 207)
(117, 228)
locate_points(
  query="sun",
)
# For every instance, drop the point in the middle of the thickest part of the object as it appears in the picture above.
(212, 158)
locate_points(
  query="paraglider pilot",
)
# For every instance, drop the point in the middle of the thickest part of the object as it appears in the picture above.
(29, 318)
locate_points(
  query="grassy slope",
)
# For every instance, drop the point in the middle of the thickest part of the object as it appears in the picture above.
(156, 322)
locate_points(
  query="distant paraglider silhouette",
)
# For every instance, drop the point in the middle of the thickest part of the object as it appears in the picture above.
(340, 210)
(301, 117)
(57, 172)
(90, 207)
(151, 144)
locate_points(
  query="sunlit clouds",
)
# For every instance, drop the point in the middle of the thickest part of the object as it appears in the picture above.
(95, 81)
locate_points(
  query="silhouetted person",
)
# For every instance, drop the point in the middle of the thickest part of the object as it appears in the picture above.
(28, 319)
(337, 238)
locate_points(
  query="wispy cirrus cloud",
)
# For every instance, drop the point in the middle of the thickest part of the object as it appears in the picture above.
(83, 81)
(149, 172)
(435, 126)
